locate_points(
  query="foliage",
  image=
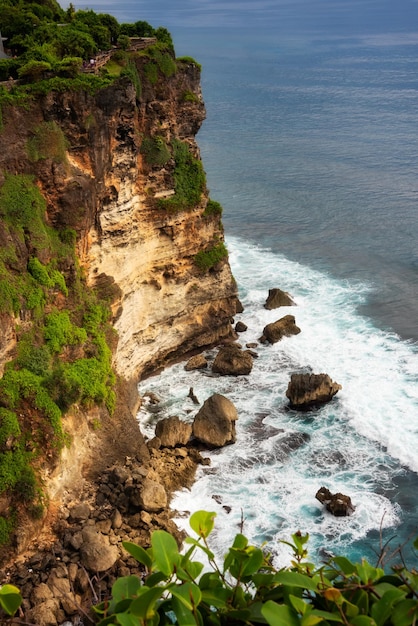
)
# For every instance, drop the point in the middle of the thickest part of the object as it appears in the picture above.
(6, 528)
(161, 58)
(138, 29)
(189, 61)
(59, 331)
(21, 202)
(131, 72)
(34, 70)
(189, 179)
(206, 259)
(155, 151)
(247, 589)
(189, 96)
(48, 142)
(10, 598)
(46, 275)
(213, 208)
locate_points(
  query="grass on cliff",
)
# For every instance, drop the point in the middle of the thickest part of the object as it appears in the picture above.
(189, 180)
(207, 259)
(62, 354)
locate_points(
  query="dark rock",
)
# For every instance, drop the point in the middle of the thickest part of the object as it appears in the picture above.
(307, 390)
(238, 306)
(173, 432)
(284, 327)
(192, 396)
(214, 424)
(232, 361)
(338, 504)
(278, 298)
(240, 327)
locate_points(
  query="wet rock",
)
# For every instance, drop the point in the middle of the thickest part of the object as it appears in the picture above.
(240, 327)
(197, 362)
(278, 298)
(214, 424)
(338, 504)
(232, 361)
(307, 390)
(284, 327)
(173, 432)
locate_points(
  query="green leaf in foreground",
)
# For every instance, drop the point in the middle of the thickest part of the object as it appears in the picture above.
(165, 551)
(202, 522)
(10, 599)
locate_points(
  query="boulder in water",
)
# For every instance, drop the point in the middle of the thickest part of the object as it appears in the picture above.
(307, 390)
(232, 361)
(173, 432)
(278, 298)
(338, 504)
(284, 327)
(214, 424)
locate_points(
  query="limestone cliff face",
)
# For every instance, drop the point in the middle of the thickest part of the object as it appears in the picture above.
(104, 188)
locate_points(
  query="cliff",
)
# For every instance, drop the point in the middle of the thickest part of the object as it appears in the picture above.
(106, 191)
(115, 171)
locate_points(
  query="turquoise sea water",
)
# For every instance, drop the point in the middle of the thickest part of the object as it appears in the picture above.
(310, 144)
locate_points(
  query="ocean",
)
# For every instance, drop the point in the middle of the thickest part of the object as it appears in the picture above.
(310, 145)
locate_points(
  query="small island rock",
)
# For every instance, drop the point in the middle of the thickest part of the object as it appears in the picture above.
(308, 390)
(338, 504)
(278, 298)
(232, 361)
(284, 327)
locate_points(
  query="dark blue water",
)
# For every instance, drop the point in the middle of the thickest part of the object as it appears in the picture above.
(310, 144)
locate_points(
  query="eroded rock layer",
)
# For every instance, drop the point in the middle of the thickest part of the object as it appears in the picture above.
(106, 189)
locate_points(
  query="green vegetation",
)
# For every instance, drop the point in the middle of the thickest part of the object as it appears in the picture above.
(155, 151)
(10, 598)
(189, 180)
(213, 208)
(247, 589)
(206, 259)
(189, 61)
(48, 142)
(189, 96)
(62, 354)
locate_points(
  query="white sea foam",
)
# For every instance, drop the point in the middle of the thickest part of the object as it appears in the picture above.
(357, 444)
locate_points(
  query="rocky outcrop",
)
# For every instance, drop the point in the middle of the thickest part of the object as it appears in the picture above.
(338, 504)
(103, 187)
(67, 569)
(232, 361)
(278, 298)
(308, 390)
(103, 192)
(284, 327)
(214, 424)
(173, 432)
(197, 362)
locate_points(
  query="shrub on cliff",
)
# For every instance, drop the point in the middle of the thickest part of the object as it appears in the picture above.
(189, 180)
(247, 589)
(206, 259)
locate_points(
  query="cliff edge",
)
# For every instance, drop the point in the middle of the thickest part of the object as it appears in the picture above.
(103, 207)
